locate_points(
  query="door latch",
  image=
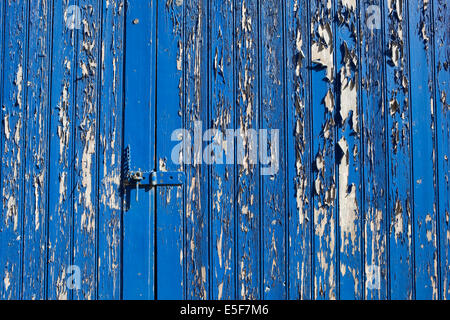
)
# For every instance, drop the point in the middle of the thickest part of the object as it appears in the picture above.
(148, 179)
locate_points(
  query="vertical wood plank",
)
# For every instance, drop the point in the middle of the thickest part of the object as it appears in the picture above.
(222, 97)
(60, 208)
(196, 117)
(398, 136)
(109, 149)
(272, 146)
(2, 40)
(441, 16)
(298, 131)
(139, 216)
(13, 148)
(86, 147)
(374, 160)
(170, 255)
(248, 176)
(347, 99)
(323, 151)
(36, 152)
(424, 156)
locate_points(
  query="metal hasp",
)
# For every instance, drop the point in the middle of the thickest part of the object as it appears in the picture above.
(162, 178)
(149, 178)
(154, 178)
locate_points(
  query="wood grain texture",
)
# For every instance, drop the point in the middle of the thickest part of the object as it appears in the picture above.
(86, 150)
(248, 191)
(223, 239)
(441, 49)
(170, 259)
(271, 144)
(138, 218)
(37, 119)
(424, 148)
(325, 263)
(60, 220)
(374, 149)
(14, 96)
(349, 156)
(197, 172)
(109, 149)
(298, 150)
(401, 218)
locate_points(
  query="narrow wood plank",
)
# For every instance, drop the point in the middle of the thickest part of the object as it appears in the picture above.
(197, 175)
(86, 147)
(170, 255)
(36, 152)
(139, 216)
(13, 148)
(272, 148)
(374, 159)
(298, 150)
(222, 97)
(323, 150)
(440, 18)
(110, 155)
(398, 136)
(248, 244)
(348, 117)
(2, 40)
(424, 151)
(61, 155)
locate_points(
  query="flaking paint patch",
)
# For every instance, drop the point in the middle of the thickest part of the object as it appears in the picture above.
(219, 247)
(349, 88)
(323, 55)
(87, 218)
(398, 220)
(61, 285)
(220, 291)
(350, 4)
(17, 134)
(6, 128)
(377, 244)
(38, 183)
(64, 122)
(62, 187)
(325, 253)
(111, 184)
(19, 84)
(12, 212)
(348, 206)
(6, 280)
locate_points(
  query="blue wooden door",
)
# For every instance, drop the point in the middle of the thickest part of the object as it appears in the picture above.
(310, 140)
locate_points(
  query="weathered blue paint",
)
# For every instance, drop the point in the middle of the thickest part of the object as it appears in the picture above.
(349, 153)
(374, 177)
(223, 260)
(138, 216)
(424, 162)
(170, 258)
(299, 165)
(363, 179)
(441, 12)
(61, 110)
(14, 93)
(323, 150)
(400, 215)
(248, 193)
(110, 151)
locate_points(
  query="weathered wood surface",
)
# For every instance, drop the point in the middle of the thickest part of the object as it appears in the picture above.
(362, 180)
